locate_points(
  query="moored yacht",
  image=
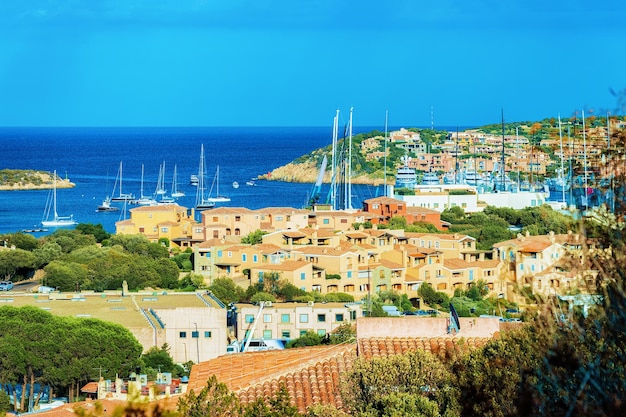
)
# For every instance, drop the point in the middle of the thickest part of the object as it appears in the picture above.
(406, 177)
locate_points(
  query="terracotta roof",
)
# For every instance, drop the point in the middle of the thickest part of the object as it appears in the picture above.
(311, 375)
(160, 207)
(90, 387)
(228, 210)
(243, 370)
(384, 200)
(391, 265)
(441, 346)
(284, 266)
(293, 233)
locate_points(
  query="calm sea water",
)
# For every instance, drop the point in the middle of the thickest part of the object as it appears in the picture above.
(90, 157)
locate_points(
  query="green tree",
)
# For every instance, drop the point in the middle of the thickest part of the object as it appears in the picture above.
(96, 230)
(227, 291)
(20, 241)
(214, 400)
(254, 238)
(16, 264)
(159, 359)
(310, 338)
(416, 383)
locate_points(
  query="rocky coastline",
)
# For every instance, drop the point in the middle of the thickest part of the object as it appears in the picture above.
(20, 180)
(307, 172)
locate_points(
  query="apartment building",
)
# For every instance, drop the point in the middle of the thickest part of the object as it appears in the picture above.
(545, 263)
(292, 320)
(169, 221)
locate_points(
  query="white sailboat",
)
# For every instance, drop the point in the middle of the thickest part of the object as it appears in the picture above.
(121, 196)
(144, 200)
(176, 193)
(216, 183)
(202, 203)
(160, 190)
(51, 208)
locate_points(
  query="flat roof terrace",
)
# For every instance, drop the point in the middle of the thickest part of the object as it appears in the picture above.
(108, 306)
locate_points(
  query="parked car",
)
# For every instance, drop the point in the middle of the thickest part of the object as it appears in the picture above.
(6, 285)
(45, 290)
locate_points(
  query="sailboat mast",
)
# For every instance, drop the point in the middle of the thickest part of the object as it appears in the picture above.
(54, 195)
(385, 159)
(456, 156)
(348, 204)
(585, 160)
(562, 168)
(502, 169)
(333, 173)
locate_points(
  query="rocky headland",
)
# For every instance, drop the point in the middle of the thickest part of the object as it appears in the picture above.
(18, 179)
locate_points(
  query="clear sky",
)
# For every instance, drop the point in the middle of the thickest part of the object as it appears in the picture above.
(294, 62)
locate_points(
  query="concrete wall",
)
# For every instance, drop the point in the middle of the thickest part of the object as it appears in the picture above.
(415, 326)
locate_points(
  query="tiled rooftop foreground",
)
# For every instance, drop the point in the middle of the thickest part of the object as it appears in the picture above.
(311, 375)
(443, 347)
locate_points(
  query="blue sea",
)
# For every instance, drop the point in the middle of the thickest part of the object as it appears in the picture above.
(90, 157)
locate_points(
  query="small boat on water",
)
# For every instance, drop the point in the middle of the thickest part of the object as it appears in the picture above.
(251, 183)
(193, 180)
(35, 230)
(176, 193)
(235, 184)
(218, 198)
(106, 206)
(51, 209)
(121, 196)
(202, 202)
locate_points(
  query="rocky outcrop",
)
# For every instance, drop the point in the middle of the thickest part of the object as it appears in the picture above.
(15, 180)
(307, 172)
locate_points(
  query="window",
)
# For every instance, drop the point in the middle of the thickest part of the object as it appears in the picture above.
(244, 257)
(237, 218)
(207, 334)
(195, 334)
(339, 317)
(249, 318)
(302, 276)
(267, 318)
(164, 230)
(304, 318)
(182, 335)
(321, 332)
(219, 253)
(326, 221)
(349, 274)
(285, 334)
(230, 254)
(353, 315)
(285, 318)
(321, 318)
(279, 218)
(267, 334)
(255, 258)
(303, 332)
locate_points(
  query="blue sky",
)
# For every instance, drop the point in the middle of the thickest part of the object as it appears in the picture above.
(293, 63)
